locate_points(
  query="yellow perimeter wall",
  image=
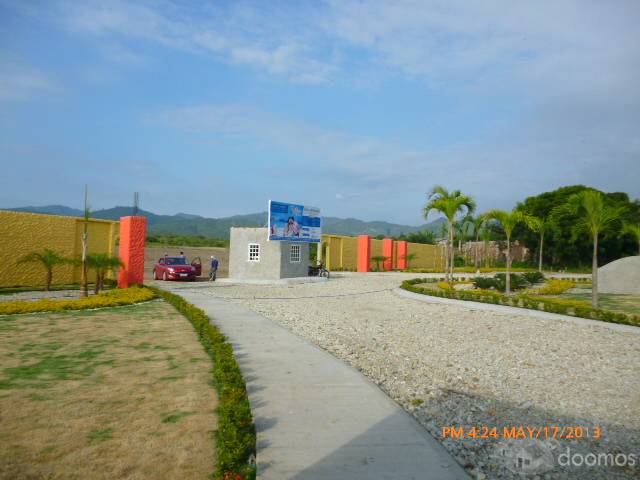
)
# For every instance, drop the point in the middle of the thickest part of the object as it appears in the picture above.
(341, 253)
(23, 233)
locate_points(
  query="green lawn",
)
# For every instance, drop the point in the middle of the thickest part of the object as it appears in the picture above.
(608, 301)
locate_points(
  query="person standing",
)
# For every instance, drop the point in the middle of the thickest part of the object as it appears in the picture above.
(214, 269)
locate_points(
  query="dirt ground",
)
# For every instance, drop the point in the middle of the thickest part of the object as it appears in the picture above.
(153, 253)
(103, 394)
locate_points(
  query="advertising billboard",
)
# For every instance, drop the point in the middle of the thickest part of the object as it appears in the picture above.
(294, 223)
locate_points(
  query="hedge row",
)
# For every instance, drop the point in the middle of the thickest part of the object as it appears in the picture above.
(565, 307)
(236, 435)
(112, 298)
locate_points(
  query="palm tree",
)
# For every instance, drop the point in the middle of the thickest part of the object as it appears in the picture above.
(477, 223)
(594, 218)
(102, 263)
(378, 259)
(48, 259)
(633, 229)
(450, 204)
(539, 226)
(85, 242)
(409, 257)
(508, 220)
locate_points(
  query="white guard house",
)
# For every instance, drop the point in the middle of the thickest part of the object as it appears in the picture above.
(253, 257)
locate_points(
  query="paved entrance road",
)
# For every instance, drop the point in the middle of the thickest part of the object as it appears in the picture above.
(316, 417)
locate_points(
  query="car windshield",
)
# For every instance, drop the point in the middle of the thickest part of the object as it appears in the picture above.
(175, 261)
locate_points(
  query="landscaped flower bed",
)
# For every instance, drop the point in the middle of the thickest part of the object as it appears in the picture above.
(112, 298)
(576, 308)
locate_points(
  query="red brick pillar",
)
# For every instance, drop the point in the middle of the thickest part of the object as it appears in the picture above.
(387, 251)
(133, 233)
(402, 250)
(364, 253)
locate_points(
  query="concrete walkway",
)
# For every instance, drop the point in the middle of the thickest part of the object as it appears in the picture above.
(316, 417)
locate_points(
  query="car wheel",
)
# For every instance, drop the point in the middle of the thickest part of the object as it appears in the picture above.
(164, 276)
(154, 275)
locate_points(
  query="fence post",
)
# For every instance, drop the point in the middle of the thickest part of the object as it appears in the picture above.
(387, 251)
(402, 254)
(133, 233)
(364, 253)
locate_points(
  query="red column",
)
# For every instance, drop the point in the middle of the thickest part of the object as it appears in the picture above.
(133, 233)
(387, 251)
(364, 253)
(402, 250)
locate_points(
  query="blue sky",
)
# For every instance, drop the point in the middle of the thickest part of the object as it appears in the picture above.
(357, 107)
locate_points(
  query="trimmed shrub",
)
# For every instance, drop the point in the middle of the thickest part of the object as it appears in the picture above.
(112, 298)
(484, 283)
(533, 277)
(236, 434)
(517, 282)
(576, 308)
(445, 285)
(555, 287)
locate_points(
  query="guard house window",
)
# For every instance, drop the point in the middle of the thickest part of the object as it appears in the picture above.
(254, 252)
(295, 254)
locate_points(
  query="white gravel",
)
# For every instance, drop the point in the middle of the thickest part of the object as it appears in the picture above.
(469, 367)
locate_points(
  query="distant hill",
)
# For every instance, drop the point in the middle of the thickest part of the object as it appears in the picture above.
(187, 224)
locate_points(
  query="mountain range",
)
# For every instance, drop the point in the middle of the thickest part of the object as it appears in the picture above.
(188, 224)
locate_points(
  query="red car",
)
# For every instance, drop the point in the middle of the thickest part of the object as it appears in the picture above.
(177, 268)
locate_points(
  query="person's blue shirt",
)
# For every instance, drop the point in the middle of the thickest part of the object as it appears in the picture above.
(214, 264)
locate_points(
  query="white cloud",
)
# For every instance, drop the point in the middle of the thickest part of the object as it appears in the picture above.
(20, 84)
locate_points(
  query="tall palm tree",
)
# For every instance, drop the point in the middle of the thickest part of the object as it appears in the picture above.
(102, 263)
(85, 242)
(594, 218)
(450, 204)
(508, 220)
(633, 229)
(477, 223)
(48, 259)
(539, 225)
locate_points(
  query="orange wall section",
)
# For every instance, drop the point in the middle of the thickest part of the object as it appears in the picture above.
(133, 233)
(387, 251)
(402, 253)
(364, 253)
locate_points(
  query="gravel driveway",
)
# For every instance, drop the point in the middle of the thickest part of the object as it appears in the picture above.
(454, 366)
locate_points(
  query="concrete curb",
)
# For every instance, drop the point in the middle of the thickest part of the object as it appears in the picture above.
(516, 311)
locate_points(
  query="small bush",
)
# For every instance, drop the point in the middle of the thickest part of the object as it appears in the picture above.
(533, 277)
(484, 283)
(555, 287)
(445, 285)
(517, 282)
(112, 298)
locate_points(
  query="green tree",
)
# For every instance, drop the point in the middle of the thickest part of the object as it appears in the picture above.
(508, 221)
(48, 259)
(377, 259)
(409, 257)
(84, 287)
(539, 226)
(449, 204)
(561, 247)
(594, 218)
(424, 236)
(102, 263)
(633, 230)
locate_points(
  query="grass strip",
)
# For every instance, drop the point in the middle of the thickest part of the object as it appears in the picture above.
(112, 298)
(236, 434)
(531, 302)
